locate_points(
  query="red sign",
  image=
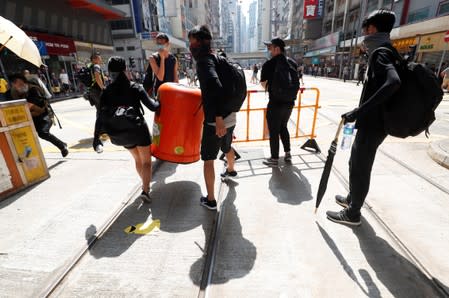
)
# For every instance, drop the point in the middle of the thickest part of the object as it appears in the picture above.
(446, 37)
(56, 45)
(313, 9)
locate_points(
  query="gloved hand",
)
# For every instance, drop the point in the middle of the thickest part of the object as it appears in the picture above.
(350, 116)
(96, 142)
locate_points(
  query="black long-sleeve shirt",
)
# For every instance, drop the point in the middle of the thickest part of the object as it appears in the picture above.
(124, 94)
(211, 88)
(383, 81)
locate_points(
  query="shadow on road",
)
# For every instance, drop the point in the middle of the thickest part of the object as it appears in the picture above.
(400, 276)
(235, 254)
(289, 186)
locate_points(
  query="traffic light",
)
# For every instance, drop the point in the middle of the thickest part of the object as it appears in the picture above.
(132, 64)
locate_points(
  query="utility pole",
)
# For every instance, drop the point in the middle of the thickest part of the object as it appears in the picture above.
(344, 39)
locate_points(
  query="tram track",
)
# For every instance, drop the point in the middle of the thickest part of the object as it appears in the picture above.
(58, 278)
(64, 272)
(408, 252)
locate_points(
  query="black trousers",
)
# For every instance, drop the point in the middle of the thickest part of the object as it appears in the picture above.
(361, 162)
(43, 125)
(277, 120)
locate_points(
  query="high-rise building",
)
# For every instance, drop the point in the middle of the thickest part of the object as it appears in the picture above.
(263, 22)
(252, 27)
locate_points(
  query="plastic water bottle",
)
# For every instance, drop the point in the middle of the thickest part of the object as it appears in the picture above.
(348, 131)
(99, 148)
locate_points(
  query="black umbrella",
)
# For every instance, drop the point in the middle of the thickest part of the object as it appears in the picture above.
(328, 167)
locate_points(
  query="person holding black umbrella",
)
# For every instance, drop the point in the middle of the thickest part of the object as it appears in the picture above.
(382, 82)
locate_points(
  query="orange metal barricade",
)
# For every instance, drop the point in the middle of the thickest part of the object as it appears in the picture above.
(311, 143)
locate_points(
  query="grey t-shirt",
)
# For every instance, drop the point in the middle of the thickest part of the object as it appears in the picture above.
(229, 121)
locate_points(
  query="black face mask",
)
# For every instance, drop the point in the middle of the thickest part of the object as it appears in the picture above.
(199, 51)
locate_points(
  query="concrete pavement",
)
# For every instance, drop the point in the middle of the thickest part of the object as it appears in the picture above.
(271, 244)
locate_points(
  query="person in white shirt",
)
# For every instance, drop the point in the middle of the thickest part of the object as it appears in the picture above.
(64, 78)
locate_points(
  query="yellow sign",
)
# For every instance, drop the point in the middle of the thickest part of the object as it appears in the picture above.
(29, 155)
(15, 114)
(432, 43)
(144, 228)
(402, 45)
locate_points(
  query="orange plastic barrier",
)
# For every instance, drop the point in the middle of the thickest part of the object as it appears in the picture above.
(178, 126)
(311, 143)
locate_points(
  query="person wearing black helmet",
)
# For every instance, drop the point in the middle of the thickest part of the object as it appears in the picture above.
(116, 100)
(382, 82)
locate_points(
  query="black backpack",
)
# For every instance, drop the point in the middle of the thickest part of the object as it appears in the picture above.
(84, 75)
(232, 78)
(285, 84)
(411, 110)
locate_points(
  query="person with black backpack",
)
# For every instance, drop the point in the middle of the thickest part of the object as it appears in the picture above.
(120, 115)
(219, 116)
(163, 66)
(280, 77)
(382, 83)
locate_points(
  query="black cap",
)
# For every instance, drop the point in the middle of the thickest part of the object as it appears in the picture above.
(276, 42)
(116, 64)
(17, 76)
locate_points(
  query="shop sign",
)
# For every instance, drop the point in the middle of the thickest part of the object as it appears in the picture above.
(403, 44)
(313, 9)
(446, 37)
(55, 45)
(432, 43)
(327, 41)
(28, 151)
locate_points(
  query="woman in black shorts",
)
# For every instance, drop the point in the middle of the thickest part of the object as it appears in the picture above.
(119, 96)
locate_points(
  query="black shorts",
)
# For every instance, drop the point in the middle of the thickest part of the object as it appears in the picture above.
(211, 143)
(140, 137)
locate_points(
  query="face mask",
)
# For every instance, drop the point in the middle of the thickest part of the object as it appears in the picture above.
(160, 47)
(268, 54)
(113, 75)
(199, 51)
(23, 90)
(196, 51)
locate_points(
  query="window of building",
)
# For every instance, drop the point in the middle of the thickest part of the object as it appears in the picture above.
(121, 24)
(443, 8)
(119, 49)
(130, 48)
(418, 15)
(118, 2)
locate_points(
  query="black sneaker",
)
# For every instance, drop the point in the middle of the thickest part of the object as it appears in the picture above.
(288, 157)
(271, 162)
(145, 197)
(228, 174)
(211, 205)
(343, 218)
(64, 151)
(342, 201)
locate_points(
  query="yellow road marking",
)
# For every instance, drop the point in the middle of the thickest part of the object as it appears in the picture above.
(143, 228)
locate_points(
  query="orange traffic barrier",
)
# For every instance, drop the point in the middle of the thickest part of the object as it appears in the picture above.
(299, 107)
(178, 125)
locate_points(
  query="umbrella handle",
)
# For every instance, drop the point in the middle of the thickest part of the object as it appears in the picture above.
(340, 126)
(4, 45)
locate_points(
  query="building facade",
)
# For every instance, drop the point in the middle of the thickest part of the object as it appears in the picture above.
(66, 32)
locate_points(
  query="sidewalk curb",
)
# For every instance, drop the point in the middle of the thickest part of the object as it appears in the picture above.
(438, 154)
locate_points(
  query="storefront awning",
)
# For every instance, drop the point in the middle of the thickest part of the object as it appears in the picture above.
(108, 12)
(325, 51)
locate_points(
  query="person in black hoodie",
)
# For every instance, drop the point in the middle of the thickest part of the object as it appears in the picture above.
(118, 96)
(218, 124)
(382, 82)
